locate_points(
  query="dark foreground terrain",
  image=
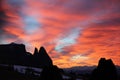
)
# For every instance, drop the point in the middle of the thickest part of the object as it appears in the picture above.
(18, 64)
(53, 73)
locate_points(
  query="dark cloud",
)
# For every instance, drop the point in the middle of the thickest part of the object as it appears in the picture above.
(16, 2)
(86, 6)
(2, 15)
(2, 19)
(110, 22)
(16, 6)
(5, 35)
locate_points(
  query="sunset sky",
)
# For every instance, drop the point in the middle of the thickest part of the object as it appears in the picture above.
(74, 32)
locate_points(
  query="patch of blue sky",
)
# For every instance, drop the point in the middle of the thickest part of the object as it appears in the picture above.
(31, 24)
(67, 40)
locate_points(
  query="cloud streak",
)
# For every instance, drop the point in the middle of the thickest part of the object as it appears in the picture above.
(67, 40)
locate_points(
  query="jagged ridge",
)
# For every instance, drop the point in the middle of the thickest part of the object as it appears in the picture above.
(105, 70)
(16, 54)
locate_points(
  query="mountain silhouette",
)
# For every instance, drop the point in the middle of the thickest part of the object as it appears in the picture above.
(105, 70)
(41, 57)
(16, 54)
(51, 73)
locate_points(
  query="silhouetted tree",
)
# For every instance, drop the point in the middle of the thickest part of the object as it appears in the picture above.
(51, 73)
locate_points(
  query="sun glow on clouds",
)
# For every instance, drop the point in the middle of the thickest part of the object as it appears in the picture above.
(65, 28)
(78, 58)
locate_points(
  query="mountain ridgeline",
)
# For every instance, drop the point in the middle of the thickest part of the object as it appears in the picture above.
(105, 70)
(16, 54)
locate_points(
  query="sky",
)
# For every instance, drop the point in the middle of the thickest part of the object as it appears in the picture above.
(74, 32)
